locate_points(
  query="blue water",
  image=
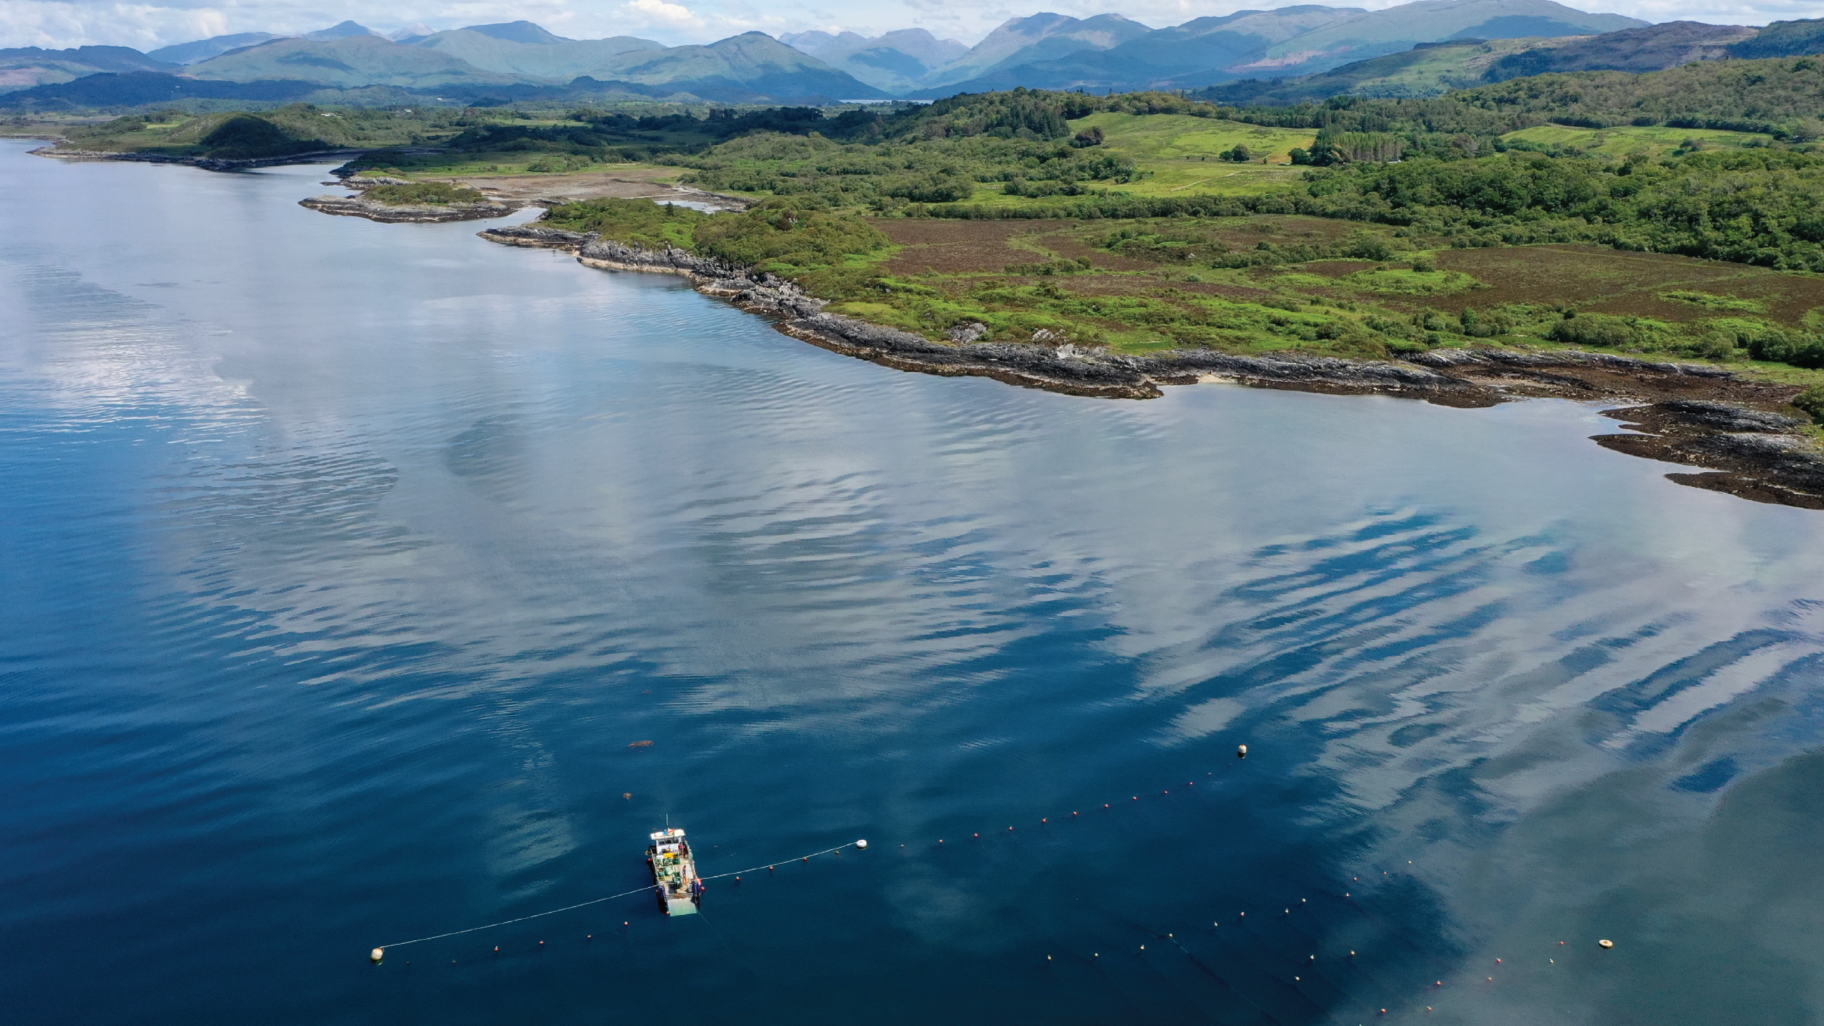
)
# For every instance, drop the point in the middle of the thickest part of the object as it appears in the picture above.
(342, 564)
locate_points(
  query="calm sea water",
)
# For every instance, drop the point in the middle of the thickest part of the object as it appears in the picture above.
(342, 566)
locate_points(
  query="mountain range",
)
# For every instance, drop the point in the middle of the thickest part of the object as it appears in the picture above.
(1282, 55)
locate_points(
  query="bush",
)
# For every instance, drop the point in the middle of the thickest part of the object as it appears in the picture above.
(1088, 137)
(1811, 401)
(1240, 154)
(1776, 345)
(1595, 330)
(436, 194)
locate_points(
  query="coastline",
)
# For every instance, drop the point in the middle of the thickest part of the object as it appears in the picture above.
(411, 213)
(206, 163)
(1698, 415)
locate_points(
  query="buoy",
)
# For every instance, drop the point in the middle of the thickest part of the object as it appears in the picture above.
(497, 949)
(863, 843)
(541, 944)
(376, 955)
(1605, 944)
(1241, 751)
(1044, 820)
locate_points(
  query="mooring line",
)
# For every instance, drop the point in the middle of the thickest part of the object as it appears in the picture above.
(597, 901)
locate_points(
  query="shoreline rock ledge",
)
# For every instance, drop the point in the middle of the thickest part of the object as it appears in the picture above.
(1058, 368)
(416, 213)
(1701, 416)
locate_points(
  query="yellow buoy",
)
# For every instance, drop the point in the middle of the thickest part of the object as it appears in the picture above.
(376, 955)
(1605, 943)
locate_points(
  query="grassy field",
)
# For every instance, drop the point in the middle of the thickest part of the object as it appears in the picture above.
(1654, 141)
(1139, 286)
(1179, 154)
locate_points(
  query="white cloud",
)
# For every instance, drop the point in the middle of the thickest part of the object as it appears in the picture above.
(661, 13)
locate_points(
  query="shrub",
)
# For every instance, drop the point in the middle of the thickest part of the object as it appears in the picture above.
(1594, 330)
(1776, 345)
(437, 194)
(1811, 401)
(1240, 154)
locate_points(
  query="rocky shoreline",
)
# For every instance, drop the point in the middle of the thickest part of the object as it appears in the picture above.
(413, 213)
(1697, 415)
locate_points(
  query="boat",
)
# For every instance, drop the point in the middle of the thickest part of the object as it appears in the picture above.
(674, 873)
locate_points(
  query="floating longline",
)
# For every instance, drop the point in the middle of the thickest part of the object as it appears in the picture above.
(597, 901)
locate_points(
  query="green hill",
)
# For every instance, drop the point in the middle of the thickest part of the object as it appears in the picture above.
(1429, 21)
(1430, 69)
(1783, 39)
(524, 54)
(347, 63)
(1651, 48)
(28, 66)
(752, 65)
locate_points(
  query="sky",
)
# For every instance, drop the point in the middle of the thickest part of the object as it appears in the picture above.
(55, 24)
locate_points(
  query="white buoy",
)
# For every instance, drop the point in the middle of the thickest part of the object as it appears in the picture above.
(1605, 943)
(1241, 751)
(863, 843)
(376, 955)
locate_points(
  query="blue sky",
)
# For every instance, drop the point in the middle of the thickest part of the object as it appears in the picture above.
(61, 23)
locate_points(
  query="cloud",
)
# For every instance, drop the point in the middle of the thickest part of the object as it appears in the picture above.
(661, 13)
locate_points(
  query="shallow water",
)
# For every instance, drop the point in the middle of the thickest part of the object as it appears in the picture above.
(342, 563)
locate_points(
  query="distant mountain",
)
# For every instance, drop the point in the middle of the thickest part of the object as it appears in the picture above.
(1190, 55)
(747, 68)
(28, 66)
(894, 62)
(1432, 69)
(1651, 48)
(1783, 39)
(1396, 29)
(522, 48)
(749, 65)
(345, 30)
(203, 49)
(347, 62)
(1021, 41)
(1429, 69)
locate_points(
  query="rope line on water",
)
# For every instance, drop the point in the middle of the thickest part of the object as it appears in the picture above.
(597, 901)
